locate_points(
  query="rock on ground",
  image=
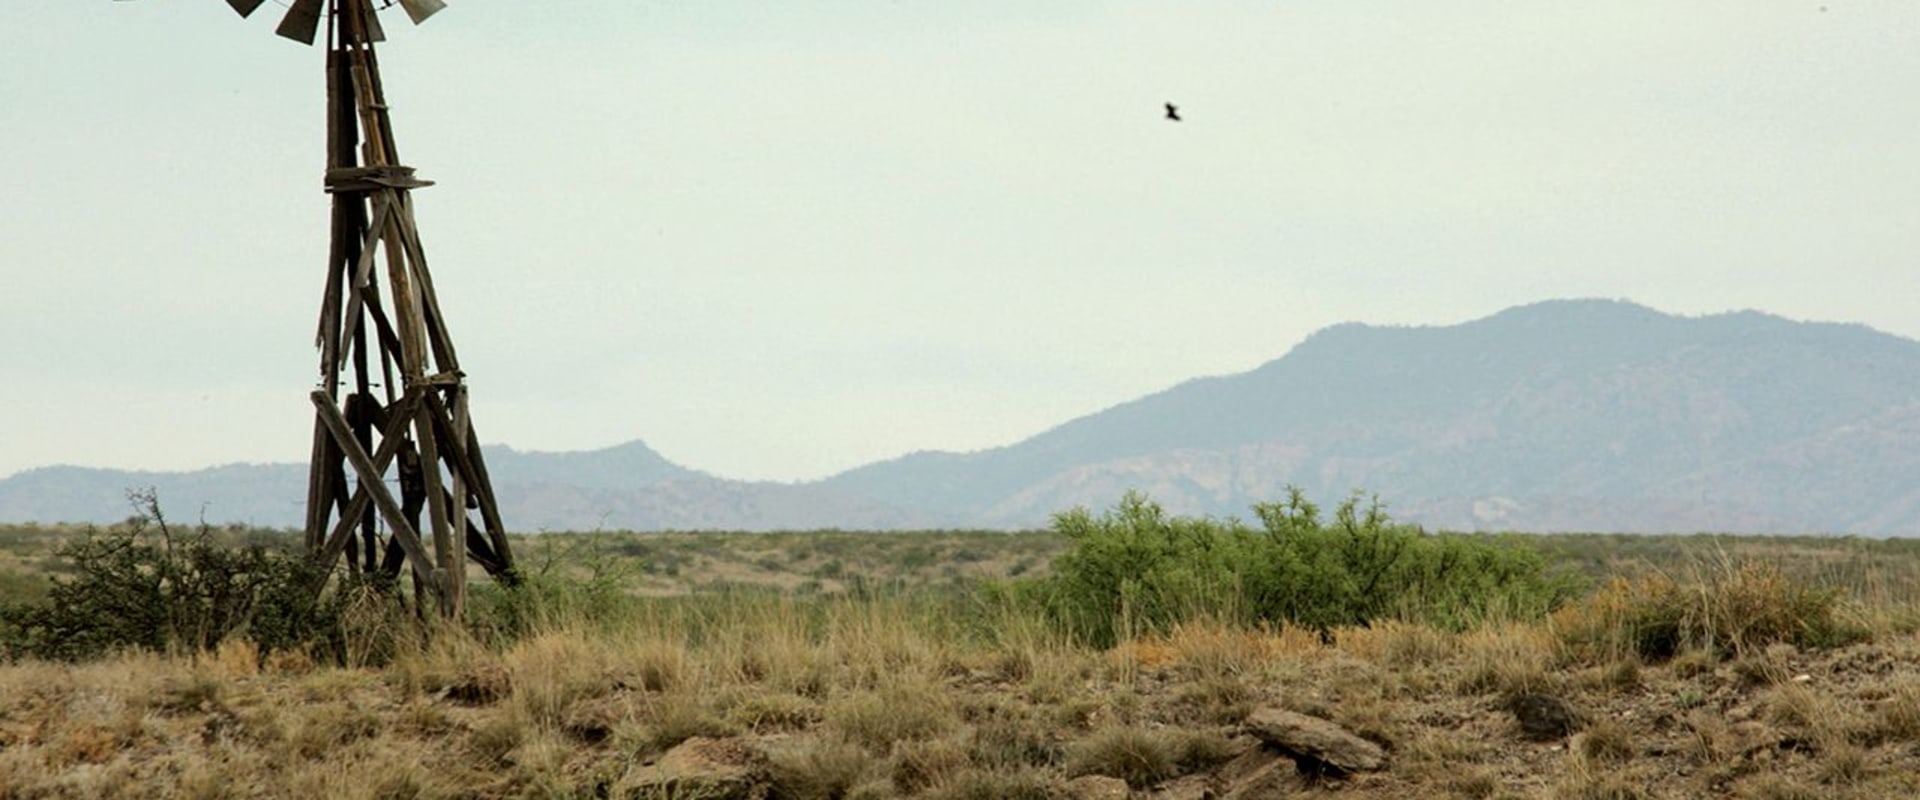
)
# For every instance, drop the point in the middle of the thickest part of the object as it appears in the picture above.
(710, 769)
(1543, 717)
(1316, 744)
(1259, 773)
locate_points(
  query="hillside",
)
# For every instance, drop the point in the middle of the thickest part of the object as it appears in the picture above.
(628, 486)
(1565, 415)
(1589, 415)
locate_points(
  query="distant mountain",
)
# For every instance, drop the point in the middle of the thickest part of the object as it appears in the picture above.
(624, 487)
(1589, 415)
(1563, 415)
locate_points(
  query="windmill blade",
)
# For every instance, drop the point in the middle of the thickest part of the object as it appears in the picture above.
(245, 7)
(374, 32)
(302, 22)
(420, 10)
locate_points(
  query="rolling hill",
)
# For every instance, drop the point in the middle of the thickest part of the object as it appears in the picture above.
(1591, 415)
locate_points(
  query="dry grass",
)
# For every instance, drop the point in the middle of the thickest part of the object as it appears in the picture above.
(892, 711)
(876, 697)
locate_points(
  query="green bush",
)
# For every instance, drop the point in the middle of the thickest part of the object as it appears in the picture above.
(575, 581)
(140, 585)
(1135, 570)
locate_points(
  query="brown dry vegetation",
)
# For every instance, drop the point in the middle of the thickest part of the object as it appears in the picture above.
(871, 694)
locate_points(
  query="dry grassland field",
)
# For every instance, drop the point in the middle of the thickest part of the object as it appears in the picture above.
(989, 665)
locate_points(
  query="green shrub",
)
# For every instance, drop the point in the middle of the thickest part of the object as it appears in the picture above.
(581, 582)
(142, 586)
(1137, 570)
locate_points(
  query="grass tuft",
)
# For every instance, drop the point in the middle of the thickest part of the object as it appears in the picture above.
(1136, 755)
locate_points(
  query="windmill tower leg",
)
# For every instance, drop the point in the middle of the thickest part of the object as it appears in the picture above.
(392, 396)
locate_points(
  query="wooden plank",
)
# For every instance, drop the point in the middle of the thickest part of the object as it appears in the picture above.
(450, 562)
(436, 323)
(466, 459)
(370, 480)
(327, 334)
(352, 180)
(363, 269)
(489, 507)
(319, 497)
(482, 553)
(406, 311)
(451, 446)
(377, 99)
(383, 327)
(457, 499)
(390, 440)
(375, 151)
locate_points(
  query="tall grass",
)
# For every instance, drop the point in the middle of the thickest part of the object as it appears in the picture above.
(1724, 607)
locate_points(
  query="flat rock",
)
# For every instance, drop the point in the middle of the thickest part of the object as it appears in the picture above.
(1315, 744)
(733, 768)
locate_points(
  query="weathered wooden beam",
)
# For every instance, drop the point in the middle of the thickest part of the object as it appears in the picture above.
(383, 328)
(375, 150)
(362, 283)
(392, 436)
(319, 492)
(382, 132)
(370, 480)
(436, 324)
(463, 451)
(456, 500)
(343, 180)
(450, 563)
(483, 489)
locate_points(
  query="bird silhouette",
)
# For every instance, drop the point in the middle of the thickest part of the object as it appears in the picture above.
(1173, 112)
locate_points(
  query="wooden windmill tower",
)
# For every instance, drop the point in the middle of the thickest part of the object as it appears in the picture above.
(392, 396)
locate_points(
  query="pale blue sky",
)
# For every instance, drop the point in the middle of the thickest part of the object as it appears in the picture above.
(779, 240)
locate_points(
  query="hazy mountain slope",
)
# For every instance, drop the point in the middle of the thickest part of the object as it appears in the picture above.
(275, 495)
(1591, 404)
(622, 466)
(1563, 415)
(272, 495)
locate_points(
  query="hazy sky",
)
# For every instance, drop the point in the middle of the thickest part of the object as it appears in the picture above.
(777, 240)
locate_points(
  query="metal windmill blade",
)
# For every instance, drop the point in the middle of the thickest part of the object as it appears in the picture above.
(419, 10)
(302, 22)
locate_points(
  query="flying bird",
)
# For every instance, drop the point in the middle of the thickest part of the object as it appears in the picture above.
(1173, 112)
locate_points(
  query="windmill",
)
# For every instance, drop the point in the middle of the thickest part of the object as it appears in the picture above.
(391, 393)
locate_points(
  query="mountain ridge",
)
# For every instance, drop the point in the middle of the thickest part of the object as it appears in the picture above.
(1585, 414)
